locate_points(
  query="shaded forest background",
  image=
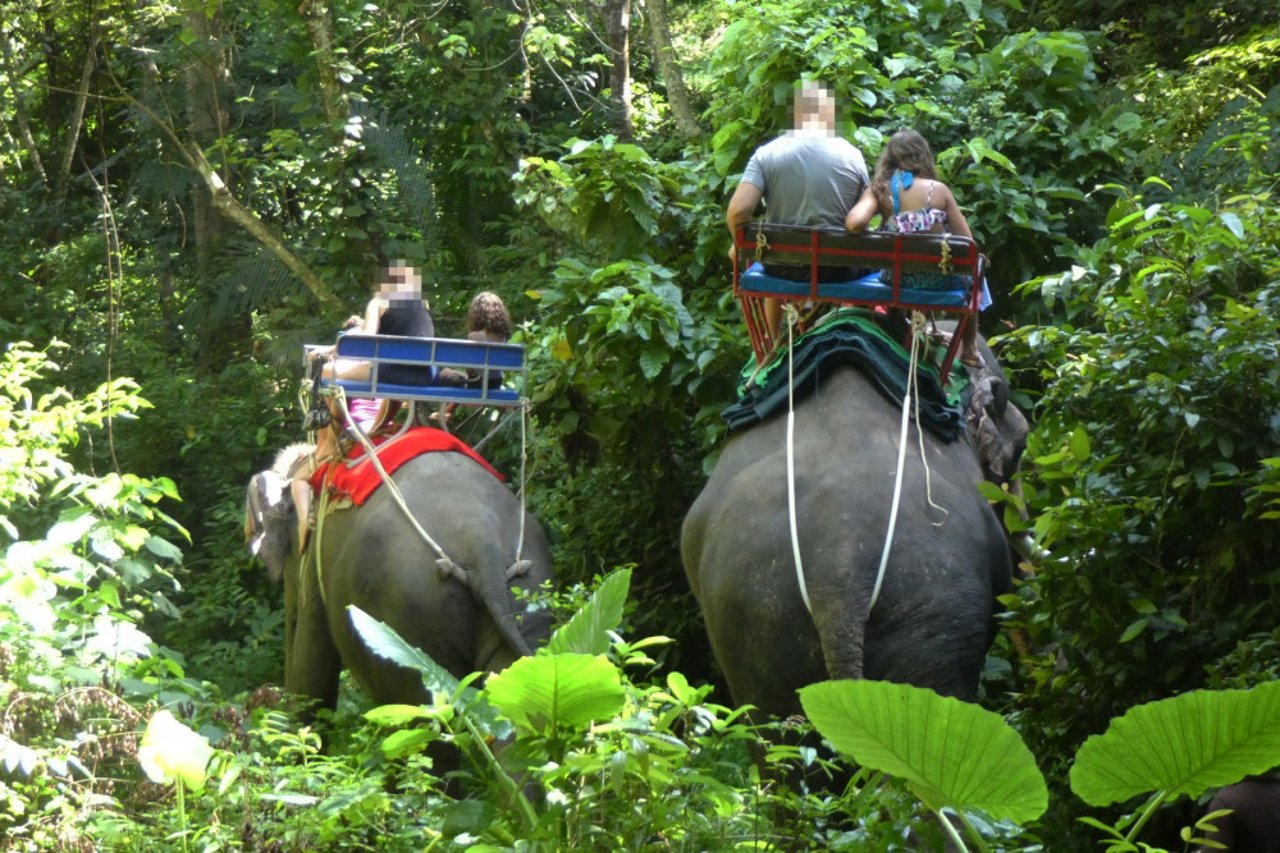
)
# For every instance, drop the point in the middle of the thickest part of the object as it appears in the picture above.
(190, 192)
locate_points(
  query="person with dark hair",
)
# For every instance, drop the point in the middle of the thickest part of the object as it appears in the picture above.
(396, 309)
(907, 194)
(807, 177)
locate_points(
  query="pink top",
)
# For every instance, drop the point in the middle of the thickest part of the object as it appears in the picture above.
(364, 412)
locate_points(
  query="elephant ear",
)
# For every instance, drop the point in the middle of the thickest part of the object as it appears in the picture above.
(268, 522)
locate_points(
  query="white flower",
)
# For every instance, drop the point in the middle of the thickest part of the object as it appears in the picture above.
(171, 751)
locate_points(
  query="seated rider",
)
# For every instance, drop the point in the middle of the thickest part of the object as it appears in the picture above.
(906, 193)
(487, 320)
(397, 308)
(807, 177)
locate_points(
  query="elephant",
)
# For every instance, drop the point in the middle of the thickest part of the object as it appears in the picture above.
(933, 621)
(459, 610)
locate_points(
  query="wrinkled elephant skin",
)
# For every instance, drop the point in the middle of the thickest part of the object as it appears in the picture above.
(932, 624)
(371, 556)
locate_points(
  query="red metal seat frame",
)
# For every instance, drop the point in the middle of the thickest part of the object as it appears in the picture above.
(890, 251)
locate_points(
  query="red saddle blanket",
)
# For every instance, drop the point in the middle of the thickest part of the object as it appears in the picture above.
(357, 478)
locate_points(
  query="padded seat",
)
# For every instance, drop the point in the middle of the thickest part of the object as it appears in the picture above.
(869, 288)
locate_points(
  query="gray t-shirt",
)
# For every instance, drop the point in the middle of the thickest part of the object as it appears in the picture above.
(808, 179)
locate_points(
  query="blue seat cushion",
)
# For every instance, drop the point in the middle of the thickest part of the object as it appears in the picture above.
(869, 288)
(441, 393)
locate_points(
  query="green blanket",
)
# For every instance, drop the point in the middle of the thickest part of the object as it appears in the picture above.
(850, 336)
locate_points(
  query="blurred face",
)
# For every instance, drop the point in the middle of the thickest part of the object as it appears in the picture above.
(815, 108)
(401, 282)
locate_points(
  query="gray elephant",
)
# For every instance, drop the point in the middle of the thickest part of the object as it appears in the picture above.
(932, 623)
(460, 610)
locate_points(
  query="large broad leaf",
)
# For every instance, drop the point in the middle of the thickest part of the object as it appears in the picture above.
(1183, 745)
(588, 631)
(546, 694)
(950, 753)
(384, 642)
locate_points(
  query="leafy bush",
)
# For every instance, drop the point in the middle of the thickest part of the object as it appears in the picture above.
(87, 559)
(1149, 474)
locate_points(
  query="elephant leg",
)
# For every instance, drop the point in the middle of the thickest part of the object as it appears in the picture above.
(312, 663)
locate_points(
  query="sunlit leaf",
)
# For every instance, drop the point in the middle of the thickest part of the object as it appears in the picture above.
(547, 694)
(588, 631)
(950, 753)
(1183, 745)
(171, 752)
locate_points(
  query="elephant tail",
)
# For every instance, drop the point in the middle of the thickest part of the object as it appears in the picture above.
(492, 588)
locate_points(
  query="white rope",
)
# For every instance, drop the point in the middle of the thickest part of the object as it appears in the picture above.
(524, 457)
(902, 458)
(791, 462)
(386, 478)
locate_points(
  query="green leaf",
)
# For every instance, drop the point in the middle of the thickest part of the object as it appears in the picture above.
(588, 631)
(991, 491)
(163, 548)
(1080, 444)
(384, 642)
(546, 694)
(950, 753)
(652, 360)
(395, 715)
(406, 742)
(1232, 221)
(1134, 629)
(1183, 745)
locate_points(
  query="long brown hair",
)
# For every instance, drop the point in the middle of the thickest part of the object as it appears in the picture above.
(907, 151)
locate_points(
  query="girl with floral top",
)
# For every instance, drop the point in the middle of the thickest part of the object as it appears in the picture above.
(906, 193)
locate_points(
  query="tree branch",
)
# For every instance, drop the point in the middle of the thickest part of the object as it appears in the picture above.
(230, 207)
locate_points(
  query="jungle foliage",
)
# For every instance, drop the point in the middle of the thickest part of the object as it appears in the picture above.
(192, 191)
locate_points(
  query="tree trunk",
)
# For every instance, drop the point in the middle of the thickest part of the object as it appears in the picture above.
(319, 19)
(77, 116)
(669, 69)
(206, 120)
(15, 76)
(617, 22)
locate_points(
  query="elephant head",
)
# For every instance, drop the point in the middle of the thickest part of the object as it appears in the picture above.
(997, 430)
(450, 596)
(270, 518)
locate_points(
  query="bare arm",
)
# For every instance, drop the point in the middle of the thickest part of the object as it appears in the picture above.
(857, 219)
(955, 219)
(372, 314)
(742, 205)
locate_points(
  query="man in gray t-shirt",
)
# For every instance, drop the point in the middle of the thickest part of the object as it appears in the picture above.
(807, 177)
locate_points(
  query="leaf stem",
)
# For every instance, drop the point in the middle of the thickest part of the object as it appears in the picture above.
(508, 784)
(1148, 810)
(182, 812)
(951, 832)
